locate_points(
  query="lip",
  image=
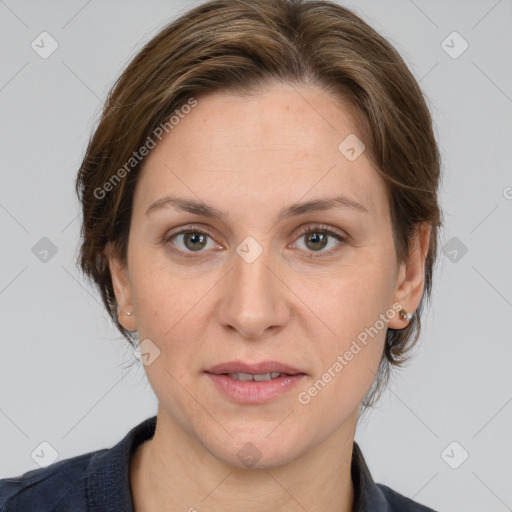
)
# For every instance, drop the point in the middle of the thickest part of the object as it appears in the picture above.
(255, 369)
(254, 392)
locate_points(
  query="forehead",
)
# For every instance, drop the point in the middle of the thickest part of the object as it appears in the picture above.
(280, 144)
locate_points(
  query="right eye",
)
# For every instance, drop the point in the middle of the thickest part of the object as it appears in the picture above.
(189, 241)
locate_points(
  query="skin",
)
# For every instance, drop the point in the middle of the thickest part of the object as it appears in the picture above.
(250, 157)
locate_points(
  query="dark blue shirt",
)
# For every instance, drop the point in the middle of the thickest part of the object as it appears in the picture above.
(99, 481)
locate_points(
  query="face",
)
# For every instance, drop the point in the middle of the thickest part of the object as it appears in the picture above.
(253, 278)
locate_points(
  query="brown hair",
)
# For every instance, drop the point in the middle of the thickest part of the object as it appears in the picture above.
(239, 45)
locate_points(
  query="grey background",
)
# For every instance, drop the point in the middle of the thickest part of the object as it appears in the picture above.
(63, 369)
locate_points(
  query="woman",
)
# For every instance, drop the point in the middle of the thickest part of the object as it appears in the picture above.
(260, 216)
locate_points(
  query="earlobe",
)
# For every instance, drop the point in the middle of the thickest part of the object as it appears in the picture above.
(411, 278)
(122, 290)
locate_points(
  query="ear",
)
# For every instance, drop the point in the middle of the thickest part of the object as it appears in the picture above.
(411, 276)
(122, 289)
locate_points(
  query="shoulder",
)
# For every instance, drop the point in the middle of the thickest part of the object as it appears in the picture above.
(371, 496)
(59, 487)
(399, 503)
(97, 480)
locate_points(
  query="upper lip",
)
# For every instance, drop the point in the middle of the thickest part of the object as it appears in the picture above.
(254, 369)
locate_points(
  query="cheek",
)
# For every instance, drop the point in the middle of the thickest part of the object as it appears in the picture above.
(348, 360)
(159, 291)
(350, 298)
(170, 307)
(353, 306)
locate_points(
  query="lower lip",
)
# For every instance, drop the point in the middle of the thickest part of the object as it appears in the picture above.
(254, 392)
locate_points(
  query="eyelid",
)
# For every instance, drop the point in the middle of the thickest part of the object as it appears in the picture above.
(200, 228)
(321, 227)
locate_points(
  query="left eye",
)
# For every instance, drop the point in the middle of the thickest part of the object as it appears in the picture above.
(317, 239)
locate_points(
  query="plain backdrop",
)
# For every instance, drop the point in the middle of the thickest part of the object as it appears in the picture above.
(64, 376)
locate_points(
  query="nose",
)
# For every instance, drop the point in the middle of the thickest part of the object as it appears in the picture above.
(254, 298)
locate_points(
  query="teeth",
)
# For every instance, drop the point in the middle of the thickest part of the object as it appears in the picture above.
(266, 376)
(258, 377)
(244, 376)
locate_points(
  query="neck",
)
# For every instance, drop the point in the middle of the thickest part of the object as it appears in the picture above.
(172, 472)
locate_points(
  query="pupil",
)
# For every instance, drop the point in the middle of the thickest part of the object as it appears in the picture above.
(195, 238)
(318, 238)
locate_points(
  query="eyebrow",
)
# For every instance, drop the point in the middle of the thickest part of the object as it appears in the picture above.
(294, 210)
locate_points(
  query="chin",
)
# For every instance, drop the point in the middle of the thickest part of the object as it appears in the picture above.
(258, 452)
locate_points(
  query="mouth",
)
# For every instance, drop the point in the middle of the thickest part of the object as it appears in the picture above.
(254, 383)
(259, 377)
(262, 371)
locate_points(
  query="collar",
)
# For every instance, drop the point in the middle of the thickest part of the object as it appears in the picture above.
(367, 495)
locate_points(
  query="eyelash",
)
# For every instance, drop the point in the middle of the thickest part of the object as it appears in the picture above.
(315, 228)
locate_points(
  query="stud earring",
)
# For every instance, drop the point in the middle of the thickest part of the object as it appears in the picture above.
(405, 316)
(128, 313)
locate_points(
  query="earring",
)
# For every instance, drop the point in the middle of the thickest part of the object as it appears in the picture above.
(128, 313)
(405, 316)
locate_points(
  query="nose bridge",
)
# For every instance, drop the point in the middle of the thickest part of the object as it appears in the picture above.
(253, 299)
